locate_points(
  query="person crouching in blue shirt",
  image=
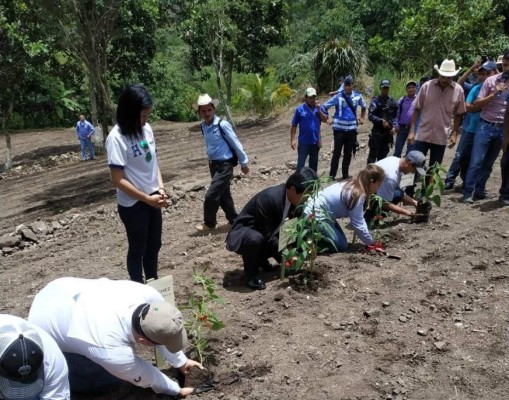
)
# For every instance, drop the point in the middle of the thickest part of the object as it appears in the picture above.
(308, 116)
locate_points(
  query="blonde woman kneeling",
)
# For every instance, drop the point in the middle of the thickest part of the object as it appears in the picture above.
(346, 199)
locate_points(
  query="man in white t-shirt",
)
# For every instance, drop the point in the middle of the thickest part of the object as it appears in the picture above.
(97, 322)
(31, 364)
(395, 168)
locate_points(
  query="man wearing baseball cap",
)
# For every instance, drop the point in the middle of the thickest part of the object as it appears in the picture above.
(97, 322)
(390, 191)
(308, 117)
(383, 113)
(31, 364)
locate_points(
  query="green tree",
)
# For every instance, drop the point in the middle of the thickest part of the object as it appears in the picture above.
(21, 52)
(231, 36)
(435, 29)
(337, 57)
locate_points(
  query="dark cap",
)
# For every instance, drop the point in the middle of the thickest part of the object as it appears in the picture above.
(21, 362)
(385, 83)
(348, 80)
(488, 66)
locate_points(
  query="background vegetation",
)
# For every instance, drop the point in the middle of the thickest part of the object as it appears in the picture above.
(65, 57)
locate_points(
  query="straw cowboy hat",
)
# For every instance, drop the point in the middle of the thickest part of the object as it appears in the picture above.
(447, 68)
(203, 100)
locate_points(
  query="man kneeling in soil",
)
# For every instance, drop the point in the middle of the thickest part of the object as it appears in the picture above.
(255, 232)
(97, 322)
(394, 168)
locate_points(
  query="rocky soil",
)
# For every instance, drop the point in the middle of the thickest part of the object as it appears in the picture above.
(429, 325)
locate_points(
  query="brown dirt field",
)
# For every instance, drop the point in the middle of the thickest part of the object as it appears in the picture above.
(432, 325)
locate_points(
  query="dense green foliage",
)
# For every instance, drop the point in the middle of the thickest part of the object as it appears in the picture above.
(62, 58)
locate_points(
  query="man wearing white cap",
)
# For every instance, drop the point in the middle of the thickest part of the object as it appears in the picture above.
(31, 364)
(97, 323)
(438, 101)
(308, 117)
(224, 151)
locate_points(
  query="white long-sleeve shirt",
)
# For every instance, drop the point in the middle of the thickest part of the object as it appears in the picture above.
(92, 317)
(56, 374)
(332, 203)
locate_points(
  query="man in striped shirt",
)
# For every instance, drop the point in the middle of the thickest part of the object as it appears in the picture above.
(344, 124)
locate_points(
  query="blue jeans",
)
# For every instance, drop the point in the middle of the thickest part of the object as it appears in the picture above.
(401, 140)
(504, 166)
(334, 233)
(487, 145)
(461, 158)
(305, 150)
(87, 144)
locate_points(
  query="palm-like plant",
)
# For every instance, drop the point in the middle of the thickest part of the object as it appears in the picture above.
(337, 57)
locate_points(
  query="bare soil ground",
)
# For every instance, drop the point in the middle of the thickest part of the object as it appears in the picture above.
(432, 325)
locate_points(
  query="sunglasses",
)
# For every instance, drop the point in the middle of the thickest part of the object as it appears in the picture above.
(144, 146)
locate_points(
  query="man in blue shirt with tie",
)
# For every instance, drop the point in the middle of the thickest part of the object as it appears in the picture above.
(222, 148)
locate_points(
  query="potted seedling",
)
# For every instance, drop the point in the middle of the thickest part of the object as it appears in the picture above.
(432, 187)
(378, 221)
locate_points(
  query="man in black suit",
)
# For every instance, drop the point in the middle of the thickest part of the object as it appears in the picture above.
(255, 232)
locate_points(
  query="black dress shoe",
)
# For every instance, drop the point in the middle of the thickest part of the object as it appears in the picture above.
(255, 284)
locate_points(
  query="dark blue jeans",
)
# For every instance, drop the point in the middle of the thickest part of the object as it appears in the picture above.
(218, 194)
(461, 160)
(305, 150)
(334, 233)
(143, 225)
(401, 140)
(85, 376)
(487, 145)
(504, 166)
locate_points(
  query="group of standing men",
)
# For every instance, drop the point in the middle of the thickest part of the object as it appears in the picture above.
(429, 118)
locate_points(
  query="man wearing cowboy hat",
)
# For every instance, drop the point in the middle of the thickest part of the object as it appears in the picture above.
(223, 149)
(438, 100)
(489, 133)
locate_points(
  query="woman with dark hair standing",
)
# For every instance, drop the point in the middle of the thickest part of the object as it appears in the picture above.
(346, 199)
(134, 172)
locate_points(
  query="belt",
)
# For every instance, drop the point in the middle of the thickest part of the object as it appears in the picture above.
(219, 162)
(497, 124)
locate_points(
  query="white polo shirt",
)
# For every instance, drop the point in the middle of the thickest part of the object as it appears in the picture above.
(92, 317)
(127, 153)
(392, 179)
(56, 374)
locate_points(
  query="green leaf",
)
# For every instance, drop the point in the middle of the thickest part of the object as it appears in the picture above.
(437, 199)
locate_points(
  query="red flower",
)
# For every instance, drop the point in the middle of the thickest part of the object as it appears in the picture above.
(311, 216)
(289, 263)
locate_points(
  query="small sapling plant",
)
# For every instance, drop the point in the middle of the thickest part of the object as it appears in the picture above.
(203, 319)
(432, 187)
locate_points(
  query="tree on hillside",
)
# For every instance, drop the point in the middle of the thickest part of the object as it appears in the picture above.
(432, 30)
(337, 57)
(21, 52)
(231, 35)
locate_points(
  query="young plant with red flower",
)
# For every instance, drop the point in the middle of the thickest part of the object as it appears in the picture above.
(203, 318)
(306, 234)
